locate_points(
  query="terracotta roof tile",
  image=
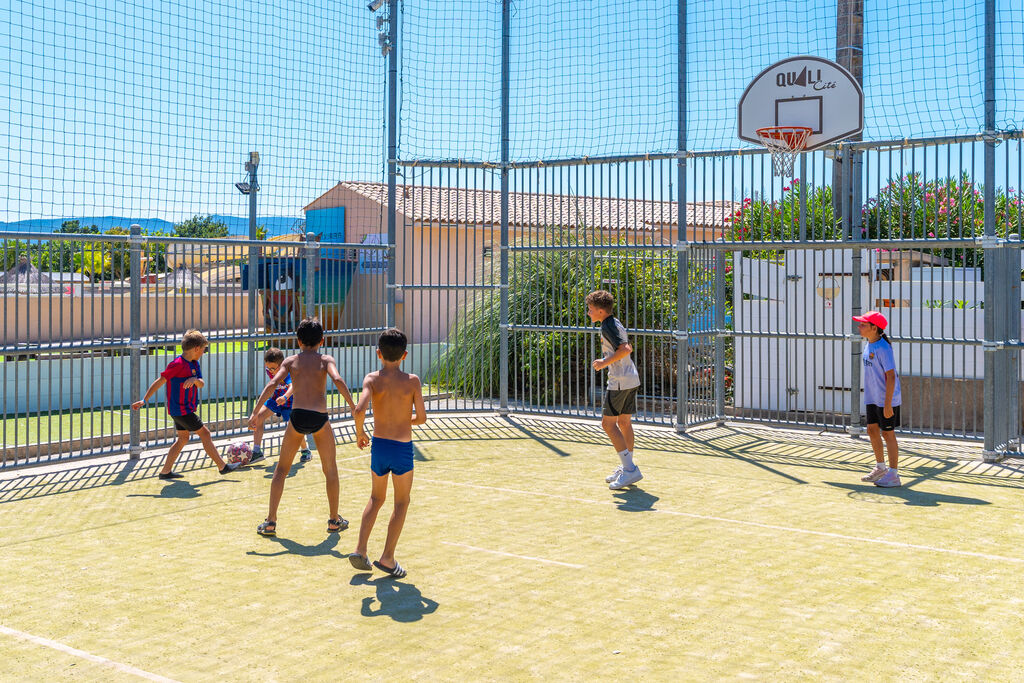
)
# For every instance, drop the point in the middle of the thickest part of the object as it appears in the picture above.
(483, 207)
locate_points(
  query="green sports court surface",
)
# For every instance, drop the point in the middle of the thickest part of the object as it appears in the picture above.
(746, 552)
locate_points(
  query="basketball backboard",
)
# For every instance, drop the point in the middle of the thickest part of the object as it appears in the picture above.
(803, 91)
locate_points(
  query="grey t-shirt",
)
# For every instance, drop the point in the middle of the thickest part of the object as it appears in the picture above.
(621, 374)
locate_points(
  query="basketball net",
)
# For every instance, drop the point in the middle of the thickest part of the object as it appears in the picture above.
(784, 142)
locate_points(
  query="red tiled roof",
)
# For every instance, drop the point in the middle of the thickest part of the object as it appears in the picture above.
(483, 207)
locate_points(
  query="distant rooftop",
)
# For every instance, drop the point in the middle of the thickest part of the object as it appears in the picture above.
(483, 207)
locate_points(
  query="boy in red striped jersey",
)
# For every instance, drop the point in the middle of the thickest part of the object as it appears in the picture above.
(184, 379)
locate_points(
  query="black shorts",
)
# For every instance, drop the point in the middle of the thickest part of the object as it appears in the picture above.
(307, 421)
(876, 417)
(187, 423)
(620, 402)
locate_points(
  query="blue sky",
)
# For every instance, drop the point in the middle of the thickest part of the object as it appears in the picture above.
(149, 109)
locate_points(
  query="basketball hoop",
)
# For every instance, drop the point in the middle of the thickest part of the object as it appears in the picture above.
(784, 142)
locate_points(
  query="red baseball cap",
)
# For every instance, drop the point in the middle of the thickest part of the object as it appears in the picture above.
(873, 317)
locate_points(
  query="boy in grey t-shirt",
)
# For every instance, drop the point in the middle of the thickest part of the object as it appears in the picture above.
(623, 383)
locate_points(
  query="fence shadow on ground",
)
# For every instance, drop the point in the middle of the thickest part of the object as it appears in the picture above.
(766, 448)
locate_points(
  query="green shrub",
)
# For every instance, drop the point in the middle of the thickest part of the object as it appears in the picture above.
(548, 288)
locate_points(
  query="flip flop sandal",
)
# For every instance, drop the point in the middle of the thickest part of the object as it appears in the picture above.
(336, 525)
(360, 562)
(396, 572)
(267, 528)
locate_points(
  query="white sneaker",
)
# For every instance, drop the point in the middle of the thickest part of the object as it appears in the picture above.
(875, 474)
(614, 475)
(626, 478)
(889, 480)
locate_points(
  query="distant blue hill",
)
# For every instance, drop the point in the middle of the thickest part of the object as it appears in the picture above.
(237, 225)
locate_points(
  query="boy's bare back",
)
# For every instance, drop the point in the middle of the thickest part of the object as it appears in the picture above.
(309, 371)
(394, 394)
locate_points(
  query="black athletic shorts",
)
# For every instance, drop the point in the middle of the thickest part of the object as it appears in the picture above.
(620, 402)
(187, 423)
(876, 416)
(307, 421)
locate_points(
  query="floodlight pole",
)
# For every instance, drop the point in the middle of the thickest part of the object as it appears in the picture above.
(847, 188)
(503, 271)
(392, 252)
(850, 56)
(1001, 279)
(682, 243)
(251, 167)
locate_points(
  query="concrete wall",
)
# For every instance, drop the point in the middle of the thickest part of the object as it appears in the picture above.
(43, 319)
(32, 386)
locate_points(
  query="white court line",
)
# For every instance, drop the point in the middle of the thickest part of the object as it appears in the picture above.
(521, 557)
(743, 522)
(117, 666)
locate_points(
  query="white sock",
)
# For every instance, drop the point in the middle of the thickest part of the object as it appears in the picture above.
(626, 457)
(893, 470)
(879, 465)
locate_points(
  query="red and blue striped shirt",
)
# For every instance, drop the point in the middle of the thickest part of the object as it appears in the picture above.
(281, 391)
(182, 401)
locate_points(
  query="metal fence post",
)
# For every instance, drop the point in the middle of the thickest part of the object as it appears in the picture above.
(720, 261)
(312, 254)
(849, 204)
(682, 245)
(135, 243)
(503, 291)
(312, 251)
(1012, 314)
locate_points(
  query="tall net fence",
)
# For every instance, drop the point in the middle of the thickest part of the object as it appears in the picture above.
(591, 79)
(736, 286)
(132, 110)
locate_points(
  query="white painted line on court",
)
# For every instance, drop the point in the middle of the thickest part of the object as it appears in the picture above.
(53, 644)
(521, 557)
(744, 522)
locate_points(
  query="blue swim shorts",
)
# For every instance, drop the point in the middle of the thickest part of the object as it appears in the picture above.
(282, 412)
(388, 455)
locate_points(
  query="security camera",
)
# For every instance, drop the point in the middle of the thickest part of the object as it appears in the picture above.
(375, 5)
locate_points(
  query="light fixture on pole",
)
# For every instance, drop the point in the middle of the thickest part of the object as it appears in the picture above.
(250, 167)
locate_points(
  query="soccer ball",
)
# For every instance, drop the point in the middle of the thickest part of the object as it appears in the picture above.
(239, 452)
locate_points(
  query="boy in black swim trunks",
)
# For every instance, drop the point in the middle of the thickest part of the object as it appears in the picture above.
(184, 379)
(309, 370)
(397, 399)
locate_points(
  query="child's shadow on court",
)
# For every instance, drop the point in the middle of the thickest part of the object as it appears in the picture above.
(400, 600)
(635, 499)
(418, 455)
(908, 496)
(290, 547)
(176, 488)
(296, 466)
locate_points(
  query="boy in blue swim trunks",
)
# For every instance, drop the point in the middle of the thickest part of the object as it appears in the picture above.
(397, 400)
(280, 404)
